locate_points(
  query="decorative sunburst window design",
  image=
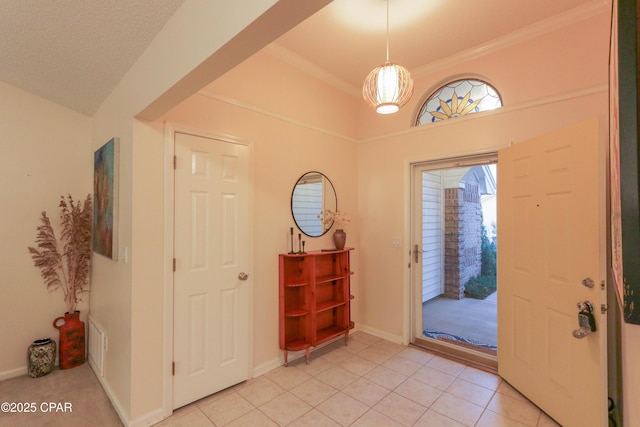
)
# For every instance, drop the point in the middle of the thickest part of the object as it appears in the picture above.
(459, 98)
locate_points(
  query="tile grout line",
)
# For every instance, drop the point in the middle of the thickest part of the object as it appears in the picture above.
(381, 363)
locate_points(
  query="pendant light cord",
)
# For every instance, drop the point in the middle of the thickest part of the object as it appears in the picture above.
(387, 30)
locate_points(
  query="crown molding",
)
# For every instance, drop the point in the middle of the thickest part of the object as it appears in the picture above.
(529, 32)
(604, 88)
(287, 56)
(499, 111)
(245, 106)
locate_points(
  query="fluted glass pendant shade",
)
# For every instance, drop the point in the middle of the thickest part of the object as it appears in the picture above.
(387, 88)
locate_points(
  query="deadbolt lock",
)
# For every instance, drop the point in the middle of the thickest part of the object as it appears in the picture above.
(586, 320)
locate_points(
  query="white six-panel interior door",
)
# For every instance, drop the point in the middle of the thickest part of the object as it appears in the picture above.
(211, 281)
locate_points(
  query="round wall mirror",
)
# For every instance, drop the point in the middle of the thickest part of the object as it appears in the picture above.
(312, 194)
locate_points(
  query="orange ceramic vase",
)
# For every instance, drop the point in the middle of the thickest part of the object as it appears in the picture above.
(71, 343)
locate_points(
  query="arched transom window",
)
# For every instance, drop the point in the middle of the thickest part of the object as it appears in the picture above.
(459, 98)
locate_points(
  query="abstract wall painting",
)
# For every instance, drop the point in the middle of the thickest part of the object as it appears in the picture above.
(105, 199)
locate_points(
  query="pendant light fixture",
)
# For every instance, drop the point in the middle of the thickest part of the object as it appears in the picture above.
(389, 86)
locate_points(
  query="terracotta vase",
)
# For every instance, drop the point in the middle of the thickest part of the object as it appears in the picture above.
(71, 343)
(41, 357)
(339, 239)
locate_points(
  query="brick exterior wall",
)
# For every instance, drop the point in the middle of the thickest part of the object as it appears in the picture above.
(463, 237)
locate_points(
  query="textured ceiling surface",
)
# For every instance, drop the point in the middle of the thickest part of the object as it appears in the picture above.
(74, 52)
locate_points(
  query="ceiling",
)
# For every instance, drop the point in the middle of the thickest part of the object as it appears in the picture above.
(347, 38)
(74, 52)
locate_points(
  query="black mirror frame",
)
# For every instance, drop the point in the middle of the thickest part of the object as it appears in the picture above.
(335, 196)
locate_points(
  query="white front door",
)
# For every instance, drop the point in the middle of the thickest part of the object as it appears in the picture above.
(429, 181)
(211, 247)
(551, 217)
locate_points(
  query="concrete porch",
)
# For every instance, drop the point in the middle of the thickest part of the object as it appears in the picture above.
(470, 318)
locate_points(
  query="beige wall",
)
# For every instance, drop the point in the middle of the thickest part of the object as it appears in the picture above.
(263, 97)
(544, 86)
(44, 153)
(294, 137)
(383, 180)
(534, 64)
(546, 82)
(127, 297)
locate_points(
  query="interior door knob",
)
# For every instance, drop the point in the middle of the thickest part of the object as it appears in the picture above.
(243, 276)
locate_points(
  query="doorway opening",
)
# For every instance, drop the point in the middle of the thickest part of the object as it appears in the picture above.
(454, 256)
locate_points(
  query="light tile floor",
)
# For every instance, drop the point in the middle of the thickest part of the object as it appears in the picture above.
(370, 382)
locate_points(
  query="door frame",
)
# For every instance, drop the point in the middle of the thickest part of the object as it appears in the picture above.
(170, 131)
(415, 286)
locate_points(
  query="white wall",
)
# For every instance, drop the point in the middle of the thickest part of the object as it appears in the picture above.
(45, 153)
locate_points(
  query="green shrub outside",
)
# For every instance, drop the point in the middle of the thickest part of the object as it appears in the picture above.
(484, 284)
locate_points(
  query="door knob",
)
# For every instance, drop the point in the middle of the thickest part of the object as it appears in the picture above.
(243, 276)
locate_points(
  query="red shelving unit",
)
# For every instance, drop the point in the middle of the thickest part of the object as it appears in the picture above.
(315, 299)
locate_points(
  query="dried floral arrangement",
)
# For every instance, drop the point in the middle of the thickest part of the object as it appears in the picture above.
(66, 263)
(330, 217)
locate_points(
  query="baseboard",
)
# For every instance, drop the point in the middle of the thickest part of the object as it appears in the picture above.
(96, 370)
(18, 372)
(293, 355)
(148, 419)
(381, 334)
(112, 397)
(266, 367)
